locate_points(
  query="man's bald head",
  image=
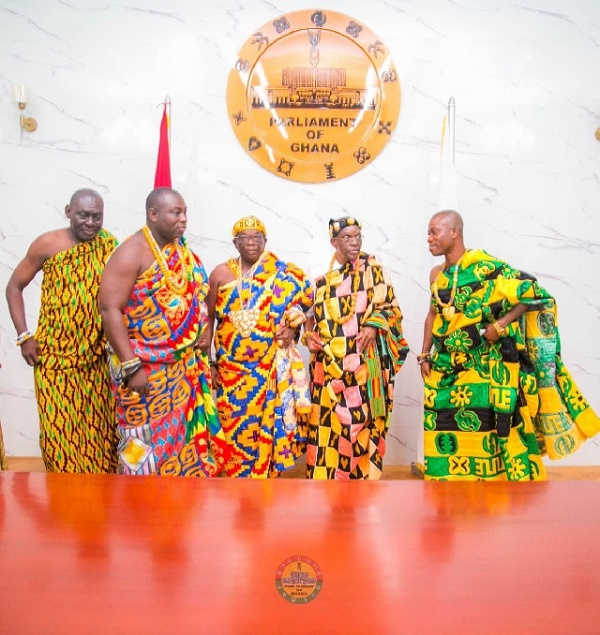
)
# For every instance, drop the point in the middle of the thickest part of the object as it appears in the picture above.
(83, 193)
(451, 218)
(445, 235)
(154, 198)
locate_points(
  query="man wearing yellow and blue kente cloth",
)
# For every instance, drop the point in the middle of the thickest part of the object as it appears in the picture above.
(257, 303)
(357, 348)
(497, 396)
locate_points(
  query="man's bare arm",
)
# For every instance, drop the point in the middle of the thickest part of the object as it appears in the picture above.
(118, 279)
(424, 363)
(40, 250)
(219, 276)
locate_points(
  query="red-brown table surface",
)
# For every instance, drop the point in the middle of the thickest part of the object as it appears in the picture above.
(116, 554)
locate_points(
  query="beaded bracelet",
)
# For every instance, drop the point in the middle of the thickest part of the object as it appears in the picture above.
(423, 357)
(23, 337)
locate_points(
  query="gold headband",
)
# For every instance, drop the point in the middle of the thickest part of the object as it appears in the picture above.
(248, 222)
(336, 226)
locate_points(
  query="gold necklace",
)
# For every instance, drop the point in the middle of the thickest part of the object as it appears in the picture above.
(330, 304)
(448, 308)
(244, 320)
(176, 286)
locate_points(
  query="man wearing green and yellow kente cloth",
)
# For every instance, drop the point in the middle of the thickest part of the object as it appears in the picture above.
(257, 303)
(357, 348)
(152, 300)
(72, 384)
(497, 394)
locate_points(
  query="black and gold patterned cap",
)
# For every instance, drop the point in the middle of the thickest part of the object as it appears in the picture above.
(336, 225)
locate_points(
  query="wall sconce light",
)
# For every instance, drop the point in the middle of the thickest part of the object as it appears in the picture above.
(598, 134)
(21, 94)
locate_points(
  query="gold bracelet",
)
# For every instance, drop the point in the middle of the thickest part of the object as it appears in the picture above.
(306, 336)
(499, 329)
(423, 357)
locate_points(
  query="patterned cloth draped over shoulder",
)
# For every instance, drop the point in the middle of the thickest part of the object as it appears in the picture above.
(174, 430)
(262, 398)
(353, 392)
(75, 405)
(493, 409)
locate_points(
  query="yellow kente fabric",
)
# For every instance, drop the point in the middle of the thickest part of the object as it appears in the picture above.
(492, 410)
(75, 404)
(262, 399)
(353, 393)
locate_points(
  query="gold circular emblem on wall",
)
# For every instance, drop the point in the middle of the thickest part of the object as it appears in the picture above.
(313, 96)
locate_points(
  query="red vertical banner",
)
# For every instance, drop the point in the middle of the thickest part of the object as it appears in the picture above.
(162, 178)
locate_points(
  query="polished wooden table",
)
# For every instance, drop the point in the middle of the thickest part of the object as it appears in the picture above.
(117, 554)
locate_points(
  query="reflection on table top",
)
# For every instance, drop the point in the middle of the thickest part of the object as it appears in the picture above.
(92, 553)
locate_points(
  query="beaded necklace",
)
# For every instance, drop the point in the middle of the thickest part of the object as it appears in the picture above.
(328, 300)
(177, 286)
(244, 320)
(448, 308)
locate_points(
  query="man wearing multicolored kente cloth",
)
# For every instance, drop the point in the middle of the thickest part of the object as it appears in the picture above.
(497, 394)
(357, 348)
(152, 301)
(72, 385)
(257, 303)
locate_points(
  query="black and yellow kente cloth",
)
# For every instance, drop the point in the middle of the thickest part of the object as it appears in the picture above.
(492, 410)
(75, 402)
(353, 393)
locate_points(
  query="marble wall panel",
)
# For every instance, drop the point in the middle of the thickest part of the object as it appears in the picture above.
(524, 76)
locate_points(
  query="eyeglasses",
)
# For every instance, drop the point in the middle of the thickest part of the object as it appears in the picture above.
(348, 239)
(85, 216)
(246, 238)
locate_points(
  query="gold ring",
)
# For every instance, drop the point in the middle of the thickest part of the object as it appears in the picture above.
(135, 392)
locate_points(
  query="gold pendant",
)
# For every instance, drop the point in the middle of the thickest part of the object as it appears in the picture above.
(245, 320)
(448, 312)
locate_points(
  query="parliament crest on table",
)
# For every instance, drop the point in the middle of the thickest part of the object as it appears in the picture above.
(299, 579)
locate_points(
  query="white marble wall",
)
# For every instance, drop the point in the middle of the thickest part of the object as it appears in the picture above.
(525, 78)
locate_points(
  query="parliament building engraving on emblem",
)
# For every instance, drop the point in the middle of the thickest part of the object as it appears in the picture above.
(299, 579)
(313, 96)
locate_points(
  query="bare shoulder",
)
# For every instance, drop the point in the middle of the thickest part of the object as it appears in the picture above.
(128, 254)
(221, 275)
(435, 272)
(48, 244)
